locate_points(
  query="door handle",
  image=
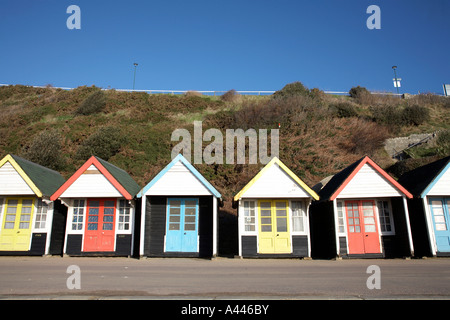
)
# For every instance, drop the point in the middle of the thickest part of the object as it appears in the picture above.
(18, 231)
(278, 234)
(185, 233)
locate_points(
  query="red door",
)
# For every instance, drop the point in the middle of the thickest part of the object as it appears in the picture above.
(362, 227)
(100, 231)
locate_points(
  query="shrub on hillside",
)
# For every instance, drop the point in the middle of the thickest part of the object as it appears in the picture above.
(388, 115)
(443, 143)
(94, 103)
(230, 96)
(104, 143)
(358, 91)
(45, 149)
(365, 137)
(415, 115)
(292, 89)
(344, 110)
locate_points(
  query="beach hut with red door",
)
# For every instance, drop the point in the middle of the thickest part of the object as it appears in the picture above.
(362, 213)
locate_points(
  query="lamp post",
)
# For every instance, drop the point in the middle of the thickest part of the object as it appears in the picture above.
(396, 84)
(134, 80)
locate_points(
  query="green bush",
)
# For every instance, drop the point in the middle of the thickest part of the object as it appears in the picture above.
(415, 115)
(292, 89)
(104, 143)
(230, 96)
(388, 115)
(357, 92)
(94, 103)
(443, 143)
(344, 110)
(45, 149)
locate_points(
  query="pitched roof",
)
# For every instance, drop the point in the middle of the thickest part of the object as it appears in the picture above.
(340, 180)
(190, 167)
(43, 181)
(420, 180)
(119, 178)
(282, 166)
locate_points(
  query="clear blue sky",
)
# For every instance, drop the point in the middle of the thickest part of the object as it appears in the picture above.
(222, 45)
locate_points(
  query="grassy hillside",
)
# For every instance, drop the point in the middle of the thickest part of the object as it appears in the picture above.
(319, 134)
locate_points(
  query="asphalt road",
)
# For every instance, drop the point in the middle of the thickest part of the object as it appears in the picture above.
(221, 278)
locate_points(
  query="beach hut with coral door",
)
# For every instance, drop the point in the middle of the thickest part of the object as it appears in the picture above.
(101, 210)
(179, 213)
(273, 214)
(31, 224)
(430, 208)
(362, 213)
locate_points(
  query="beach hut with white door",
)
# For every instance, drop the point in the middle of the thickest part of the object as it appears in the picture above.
(273, 214)
(101, 210)
(179, 215)
(362, 213)
(31, 224)
(430, 208)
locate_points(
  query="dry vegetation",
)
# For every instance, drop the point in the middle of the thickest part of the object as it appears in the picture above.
(319, 134)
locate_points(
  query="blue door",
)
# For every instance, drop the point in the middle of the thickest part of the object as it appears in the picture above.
(182, 225)
(440, 212)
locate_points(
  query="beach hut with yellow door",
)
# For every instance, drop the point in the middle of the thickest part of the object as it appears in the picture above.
(273, 214)
(31, 224)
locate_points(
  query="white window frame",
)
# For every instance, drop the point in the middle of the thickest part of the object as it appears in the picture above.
(72, 215)
(340, 209)
(246, 220)
(303, 216)
(391, 217)
(128, 206)
(39, 223)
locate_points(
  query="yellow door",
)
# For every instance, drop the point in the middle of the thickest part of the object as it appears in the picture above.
(274, 236)
(16, 227)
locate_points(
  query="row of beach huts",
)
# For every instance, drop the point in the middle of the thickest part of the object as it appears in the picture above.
(100, 210)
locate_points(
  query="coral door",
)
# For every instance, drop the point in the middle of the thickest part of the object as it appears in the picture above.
(274, 236)
(182, 225)
(16, 228)
(440, 211)
(362, 227)
(99, 235)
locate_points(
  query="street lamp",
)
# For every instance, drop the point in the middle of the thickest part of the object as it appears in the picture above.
(134, 80)
(396, 80)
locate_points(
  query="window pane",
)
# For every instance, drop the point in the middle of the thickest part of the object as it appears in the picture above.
(190, 203)
(27, 203)
(94, 203)
(175, 203)
(107, 226)
(109, 203)
(93, 211)
(189, 211)
(108, 219)
(92, 226)
(174, 226)
(266, 228)
(189, 226)
(281, 225)
(189, 219)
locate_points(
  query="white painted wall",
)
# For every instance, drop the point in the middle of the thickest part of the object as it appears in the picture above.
(11, 183)
(92, 185)
(178, 181)
(275, 183)
(369, 183)
(442, 186)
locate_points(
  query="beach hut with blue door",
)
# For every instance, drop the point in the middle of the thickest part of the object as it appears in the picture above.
(430, 207)
(179, 216)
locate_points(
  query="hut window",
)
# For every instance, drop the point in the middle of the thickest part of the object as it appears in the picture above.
(41, 215)
(78, 214)
(124, 215)
(249, 215)
(298, 216)
(340, 213)
(385, 214)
